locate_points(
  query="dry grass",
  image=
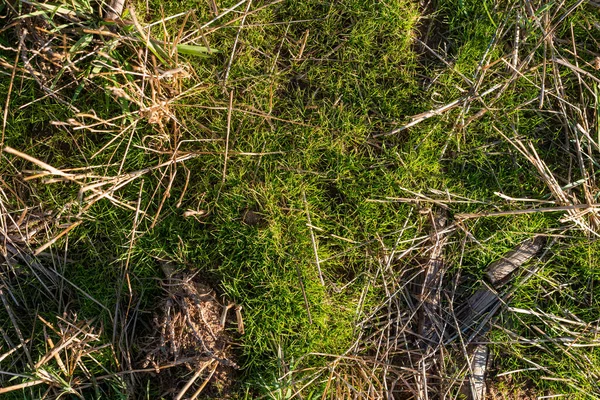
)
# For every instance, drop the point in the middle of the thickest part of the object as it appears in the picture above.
(68, 55)
(72, 359)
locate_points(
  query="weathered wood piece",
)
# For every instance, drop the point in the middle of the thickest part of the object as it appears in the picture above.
(114, 9)
(498, 271)
(430, 325)
(429, 295)
(479, 366)
(481, 302)
(486, 301)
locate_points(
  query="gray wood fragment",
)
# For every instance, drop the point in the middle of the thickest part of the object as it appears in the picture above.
(114, 9)
(430, 320)
(479, 365)
(430, 296)
(481, 302)
(486, 301)
(499, 271)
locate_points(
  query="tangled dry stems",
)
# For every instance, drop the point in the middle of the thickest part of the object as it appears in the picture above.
(191, 323)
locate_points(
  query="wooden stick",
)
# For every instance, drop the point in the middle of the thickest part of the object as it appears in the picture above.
(480, 361)
(498, 271)
(114, 10)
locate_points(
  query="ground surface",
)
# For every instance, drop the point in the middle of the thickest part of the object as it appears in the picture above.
(280, 172)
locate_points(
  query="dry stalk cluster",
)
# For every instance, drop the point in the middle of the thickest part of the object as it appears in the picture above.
(68, 359)
(19, 231)
(73, 49)
(23, 228)
(433, 346)
(49, 359)
(69, 49)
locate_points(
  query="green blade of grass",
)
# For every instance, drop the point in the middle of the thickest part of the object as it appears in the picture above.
(192, 50)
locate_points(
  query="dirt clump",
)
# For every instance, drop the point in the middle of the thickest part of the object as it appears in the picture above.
(190, 350)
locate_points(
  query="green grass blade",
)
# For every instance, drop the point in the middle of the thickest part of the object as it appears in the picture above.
(192, 50)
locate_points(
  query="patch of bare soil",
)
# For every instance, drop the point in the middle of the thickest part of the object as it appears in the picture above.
(505, 388)
(190, 350)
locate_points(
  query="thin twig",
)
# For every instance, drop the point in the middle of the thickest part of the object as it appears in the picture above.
(313, 239)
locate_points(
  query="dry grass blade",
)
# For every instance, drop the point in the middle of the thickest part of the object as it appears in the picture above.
(313, 240)
(21, 386)
(10, 87)
(417, 119)
(235, 43)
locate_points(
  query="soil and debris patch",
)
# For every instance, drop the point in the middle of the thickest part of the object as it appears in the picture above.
(191, 350)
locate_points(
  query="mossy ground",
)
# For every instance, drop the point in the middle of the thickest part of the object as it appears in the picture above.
(314, 84)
